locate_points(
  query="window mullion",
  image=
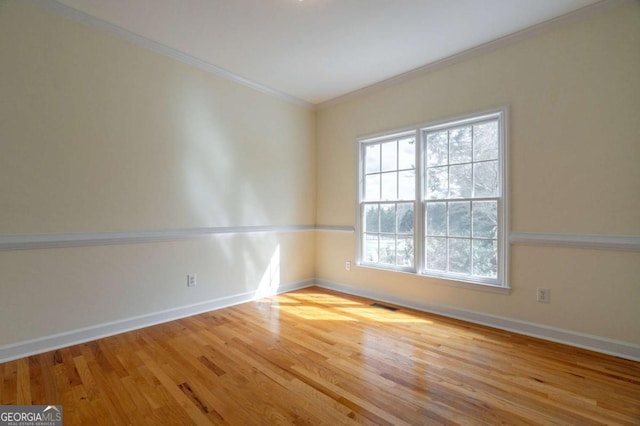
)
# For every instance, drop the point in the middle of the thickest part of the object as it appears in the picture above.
(397, 179)
(448, 239)
(380, 186)
(473, 180)
(419, 206)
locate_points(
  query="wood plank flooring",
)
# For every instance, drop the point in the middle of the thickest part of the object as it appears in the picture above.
(318, 357)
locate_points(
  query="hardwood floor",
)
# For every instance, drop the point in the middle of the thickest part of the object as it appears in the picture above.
(320, 357)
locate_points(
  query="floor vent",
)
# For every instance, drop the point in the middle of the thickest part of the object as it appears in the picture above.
(381, 306)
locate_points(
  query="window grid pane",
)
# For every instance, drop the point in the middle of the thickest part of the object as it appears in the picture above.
(389, 170)
(389, 156)
(371, 248)
(388, 236)
(473, 221)
(452, 161)
(372, 159)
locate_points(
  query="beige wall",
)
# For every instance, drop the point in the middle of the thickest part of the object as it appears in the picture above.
(98, 135)
(573, 94)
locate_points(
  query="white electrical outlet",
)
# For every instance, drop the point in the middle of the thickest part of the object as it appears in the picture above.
(192, 280)
(544, 295)
(347, 266)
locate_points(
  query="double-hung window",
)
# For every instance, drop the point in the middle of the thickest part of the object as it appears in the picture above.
(432, 200)
(388, 201)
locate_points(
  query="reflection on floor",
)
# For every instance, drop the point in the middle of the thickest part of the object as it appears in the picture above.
(319, 357)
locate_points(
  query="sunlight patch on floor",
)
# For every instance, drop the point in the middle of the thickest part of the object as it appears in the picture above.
(340, 309)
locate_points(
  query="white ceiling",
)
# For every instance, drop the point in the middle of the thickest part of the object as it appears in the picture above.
(317, 50)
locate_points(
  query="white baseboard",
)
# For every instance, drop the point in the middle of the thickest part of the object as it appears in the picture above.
(44, 344)
(74, 337)
(595, 343)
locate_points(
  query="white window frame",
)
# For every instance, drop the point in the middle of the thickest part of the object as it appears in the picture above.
(362, 144)
(501, 282)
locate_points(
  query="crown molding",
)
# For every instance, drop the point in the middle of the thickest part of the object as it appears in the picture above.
(93, 22)
(68, 12)
(490, 46)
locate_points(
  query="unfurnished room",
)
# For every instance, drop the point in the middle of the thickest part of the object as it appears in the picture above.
(257, 212)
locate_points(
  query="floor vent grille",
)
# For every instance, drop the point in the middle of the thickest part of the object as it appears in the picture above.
(381, 306)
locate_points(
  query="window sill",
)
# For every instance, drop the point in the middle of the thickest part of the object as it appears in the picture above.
(447, 281)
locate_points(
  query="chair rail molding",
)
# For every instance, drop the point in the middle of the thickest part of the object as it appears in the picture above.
(44, 241)
(584, 241)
